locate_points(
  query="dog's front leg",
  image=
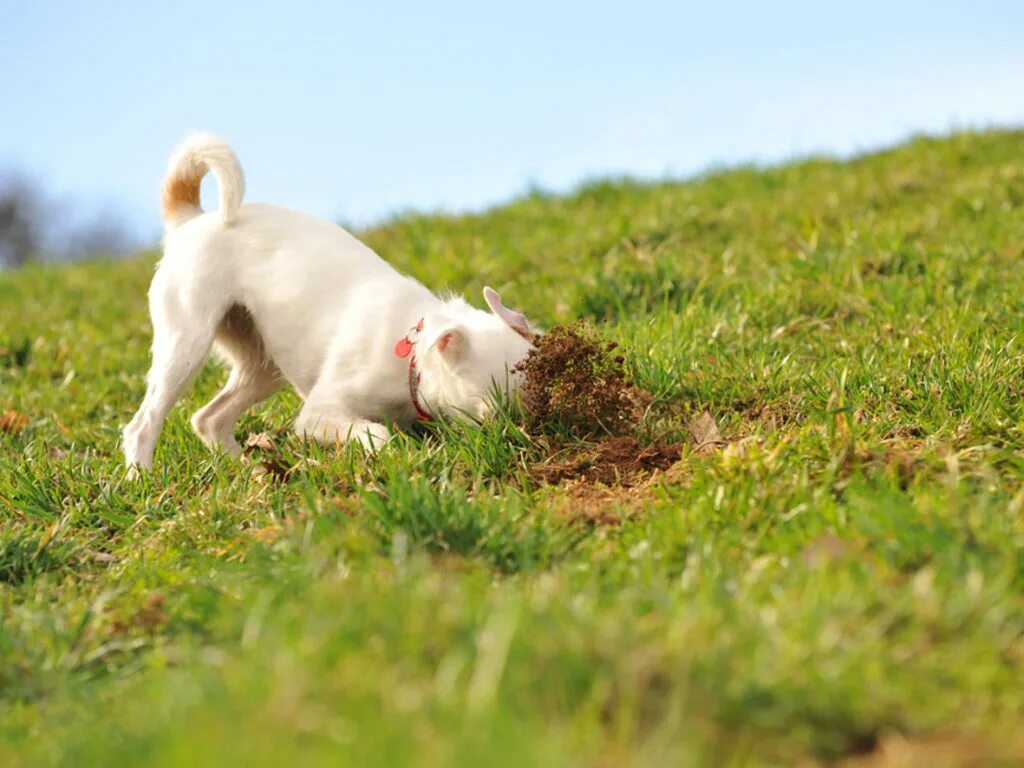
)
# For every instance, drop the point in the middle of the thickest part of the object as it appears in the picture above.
(348, 389)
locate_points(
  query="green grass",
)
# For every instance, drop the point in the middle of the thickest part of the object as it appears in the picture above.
(849, 571)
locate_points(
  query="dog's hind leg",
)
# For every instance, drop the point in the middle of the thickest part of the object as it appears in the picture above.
(175, 363)
(215, 422)
(254, 377)
(181, 343)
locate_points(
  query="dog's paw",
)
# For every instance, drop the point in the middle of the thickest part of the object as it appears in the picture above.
(371, 435)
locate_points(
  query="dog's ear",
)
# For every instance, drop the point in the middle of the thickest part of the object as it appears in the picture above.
(514, 320)
(451, 344)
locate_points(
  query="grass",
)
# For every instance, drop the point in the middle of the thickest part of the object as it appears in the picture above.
(844, 581)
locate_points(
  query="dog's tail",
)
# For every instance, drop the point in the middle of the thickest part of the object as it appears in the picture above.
(200, 153)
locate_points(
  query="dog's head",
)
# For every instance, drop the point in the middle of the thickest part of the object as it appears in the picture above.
(466, 353)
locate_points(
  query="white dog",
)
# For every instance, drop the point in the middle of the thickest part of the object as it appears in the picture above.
(288, 297)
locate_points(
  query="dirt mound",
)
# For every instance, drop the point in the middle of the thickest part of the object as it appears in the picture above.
(575, 380)
(577, 394)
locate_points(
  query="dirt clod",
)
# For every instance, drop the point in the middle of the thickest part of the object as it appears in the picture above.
(579, 381)
(269, 465)
(576, 390)
(149, 617)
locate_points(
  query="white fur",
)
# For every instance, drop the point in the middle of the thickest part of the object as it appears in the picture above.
(321, 311)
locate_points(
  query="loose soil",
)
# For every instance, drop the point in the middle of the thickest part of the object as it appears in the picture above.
(622, 461)
(577, 382)
(576, 392)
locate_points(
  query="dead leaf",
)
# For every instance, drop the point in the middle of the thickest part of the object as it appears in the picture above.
(705, 433)
(261, 440)
(268, 534)
(12, 421)
(827, 548)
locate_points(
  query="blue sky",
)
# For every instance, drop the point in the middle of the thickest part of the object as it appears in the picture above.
(355, 111)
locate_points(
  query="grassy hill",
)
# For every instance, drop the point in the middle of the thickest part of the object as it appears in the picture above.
(844, 581)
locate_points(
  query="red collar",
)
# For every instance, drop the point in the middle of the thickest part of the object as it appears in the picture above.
(405, 347)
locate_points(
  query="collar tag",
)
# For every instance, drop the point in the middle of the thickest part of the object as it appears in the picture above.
(404, 346)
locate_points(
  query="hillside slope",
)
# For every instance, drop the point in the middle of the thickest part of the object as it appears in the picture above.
(843, 581)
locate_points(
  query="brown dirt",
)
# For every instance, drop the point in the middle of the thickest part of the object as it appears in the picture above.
(951, 750)
(268, 465)
(149, 617)
(574, 379)
(603, 505)
(612, 479)
(623, 461)
(576, 386)
(576, 383)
